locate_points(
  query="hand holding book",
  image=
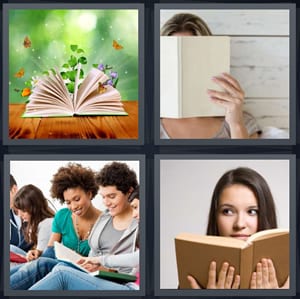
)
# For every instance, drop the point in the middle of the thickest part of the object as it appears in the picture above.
(263, 278)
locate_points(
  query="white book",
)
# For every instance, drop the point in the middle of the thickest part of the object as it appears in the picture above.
(51, 98)
(68, 255)
(187, 65)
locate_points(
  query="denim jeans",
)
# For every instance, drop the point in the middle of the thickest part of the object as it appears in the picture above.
(63, 277)
(25, 275)
(17, 250)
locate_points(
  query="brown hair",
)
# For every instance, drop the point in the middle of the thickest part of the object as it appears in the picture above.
(257, 184)
(32, 200)
(185, 22)
(72, 176)
(117, 174)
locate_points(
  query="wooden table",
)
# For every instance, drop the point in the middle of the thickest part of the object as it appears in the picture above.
(80, 127)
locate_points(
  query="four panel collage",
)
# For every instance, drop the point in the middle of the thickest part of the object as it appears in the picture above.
(138, 149)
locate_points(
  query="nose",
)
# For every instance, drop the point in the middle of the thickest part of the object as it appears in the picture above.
(106, 201)
(240, 221)
(73, 205)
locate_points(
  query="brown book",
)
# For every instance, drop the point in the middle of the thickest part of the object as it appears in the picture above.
(194, 254)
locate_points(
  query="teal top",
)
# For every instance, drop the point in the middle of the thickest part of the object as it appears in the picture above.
(63, 224)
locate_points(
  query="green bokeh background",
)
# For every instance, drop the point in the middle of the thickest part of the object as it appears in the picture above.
(53, 31)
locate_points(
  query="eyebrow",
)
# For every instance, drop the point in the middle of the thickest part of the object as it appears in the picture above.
(232, 206)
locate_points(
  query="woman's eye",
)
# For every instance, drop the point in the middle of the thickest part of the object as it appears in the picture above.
(227, 212)
(253, 212)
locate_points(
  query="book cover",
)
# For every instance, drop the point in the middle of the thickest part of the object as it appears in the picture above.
(194, 254)
(116, 276)
(16, 258)
(187, 64)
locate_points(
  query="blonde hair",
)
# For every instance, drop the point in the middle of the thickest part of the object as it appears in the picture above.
(185, 22)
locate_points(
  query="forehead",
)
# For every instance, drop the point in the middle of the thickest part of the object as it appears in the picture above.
(105, 190)
(183, 33)
(238, 195)
(71, 192)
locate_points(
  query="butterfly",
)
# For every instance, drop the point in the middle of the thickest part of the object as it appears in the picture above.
(26, 92)
(20, 73)
(101, 88)
(116, 45)
(27, 42)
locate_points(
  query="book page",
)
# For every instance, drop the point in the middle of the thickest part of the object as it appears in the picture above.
(109, 102)
(68, 255)
(50, 97)
(170, 87)
(88, 86)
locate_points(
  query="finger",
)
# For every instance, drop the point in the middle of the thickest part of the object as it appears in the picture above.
(212, 275)
(272, 274)
(225, 104)
(236, 283)
(222, 275)
(232, 80)
(265, 273)
(193, 282)
(229, 278)
(225, 96)
(228, 87)
(81, 261)
(259, 276)
(253, 281)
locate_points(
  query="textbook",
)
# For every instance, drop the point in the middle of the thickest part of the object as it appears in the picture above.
(17, 258)
(187, 65)
(71, 257)
(117, 276)
(51, 98)
(194, 254)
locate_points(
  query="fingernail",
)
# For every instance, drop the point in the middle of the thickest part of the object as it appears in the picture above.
(214, 78)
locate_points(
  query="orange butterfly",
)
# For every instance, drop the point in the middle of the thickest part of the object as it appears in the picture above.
(27, 42)
(116, 45)
(20, 73)
(101, 88)
(26, 92)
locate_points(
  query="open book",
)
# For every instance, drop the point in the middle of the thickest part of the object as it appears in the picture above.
(187, 64)
(194, 253)
(71, 257)
(68, 255)
(50, 97)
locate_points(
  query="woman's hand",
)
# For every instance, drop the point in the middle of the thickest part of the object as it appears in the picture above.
(232, 99)
(226, 278)
(33, 254)
(265, 276)
(90, 263)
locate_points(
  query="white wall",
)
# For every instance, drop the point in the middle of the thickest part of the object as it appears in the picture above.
(186, 187)
(40, 173)
(259, 57)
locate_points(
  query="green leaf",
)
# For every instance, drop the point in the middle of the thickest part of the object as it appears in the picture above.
(116, 82)
(27, 101)
(70, 87)
(66, 66)
(80, 51)
(82, 60)
(81, 74)
(72, 75)
(95, 65)
(74, 47)
(72, 61)
(53, 71)
(46, 73)
(64, 75)
(27, 83)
